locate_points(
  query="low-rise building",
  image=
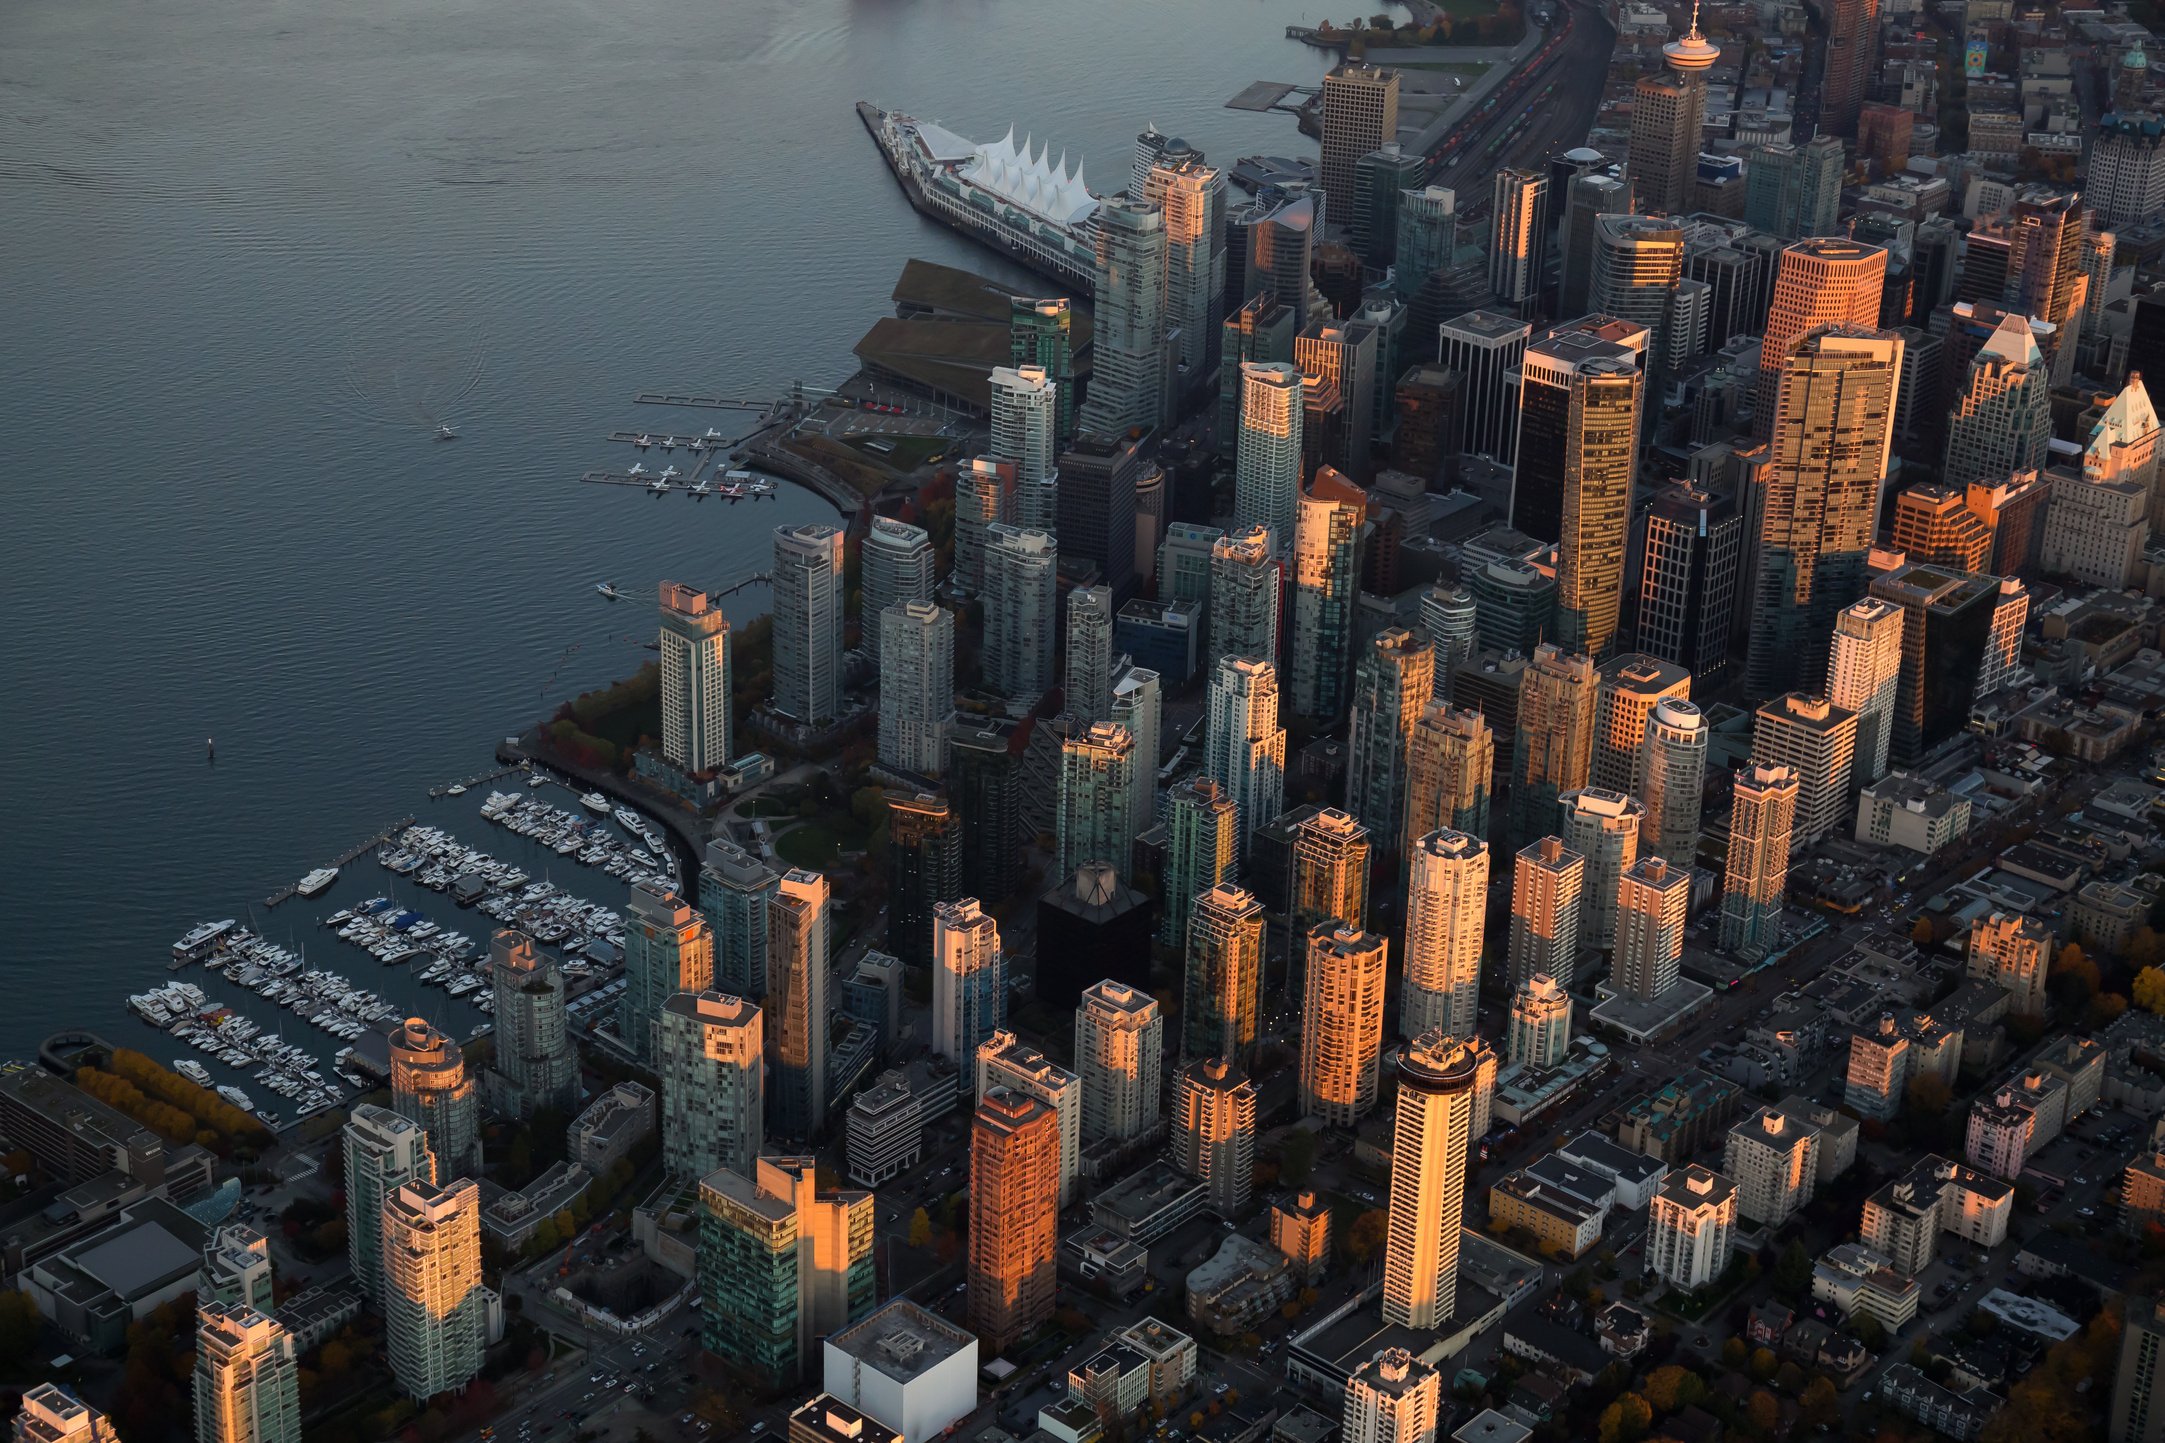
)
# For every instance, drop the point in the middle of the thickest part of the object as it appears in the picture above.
(1858, 1280)
(826, 1419)
(1633, 1177)
(1242, 1283)
(886, 1130)
(94, 1290)
(2142, 1194)
(1900, 810)
(1680, 1117)
(1560, 1223)
(1170, 1354)
(607, 1130)
(1149, 1204)
(1958, 1415)
(1300, 1228)
(907, 1369)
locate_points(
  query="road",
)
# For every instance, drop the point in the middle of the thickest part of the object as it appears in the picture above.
(1545, 127)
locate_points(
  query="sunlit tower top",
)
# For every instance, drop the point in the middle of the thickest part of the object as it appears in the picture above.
(1694, 53)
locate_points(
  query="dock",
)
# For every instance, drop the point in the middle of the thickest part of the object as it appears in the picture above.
(1264, 95)
(674, 486)
(687, 398)
(443, 789)
(344, 858)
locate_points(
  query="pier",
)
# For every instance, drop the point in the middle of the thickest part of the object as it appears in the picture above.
(345, 857)
(443, 789)
(718, 403)
(673, 486)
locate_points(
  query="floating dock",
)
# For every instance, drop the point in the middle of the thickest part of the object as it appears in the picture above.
(292, 890)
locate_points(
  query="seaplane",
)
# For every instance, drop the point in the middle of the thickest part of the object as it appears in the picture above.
(642, 440)
(698, 446)
(712, 436)
(669, 443)
(660, 487)
(638, 468)
(445, 433)
(608, 589)
(671, 474)
(703, 490)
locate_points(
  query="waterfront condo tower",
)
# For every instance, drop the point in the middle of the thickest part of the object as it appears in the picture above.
(713, 1074)
(694, 679)
(435, 1308)
(808, 623)
(668, 948)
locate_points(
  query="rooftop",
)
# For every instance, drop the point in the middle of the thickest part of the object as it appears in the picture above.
(903, 1341)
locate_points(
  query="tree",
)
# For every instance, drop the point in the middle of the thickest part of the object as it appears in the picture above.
(1296, 1157)
(2149, 990)
(1366, 1235)
(1793, 1269)
(1626, 1419)
(1869, 1331)
(920, 1228)
(1674, 1387)
(1764, 1410)
(1764, 1363)
(19, 1322)
(1921, 932)
(2070, 956)
(1734, 1352)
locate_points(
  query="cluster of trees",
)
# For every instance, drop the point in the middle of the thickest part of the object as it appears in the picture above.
(2053, 1402)
(157, 1380)
(600, 730)
(1640, 1413)
(167, 1121)
(201, 1103)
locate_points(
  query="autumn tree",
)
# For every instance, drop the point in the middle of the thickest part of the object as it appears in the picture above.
(1366, 1235)
(2149, 990)
(1673, 1387)
(1764, 1411)
(920, 1228)
(1626, 1420)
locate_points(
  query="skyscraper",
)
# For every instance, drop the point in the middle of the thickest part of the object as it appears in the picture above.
(1243, 745)
(1214, 1132)
(1863, 669)
(1794, 191)
(1014, 1217)
(924, 869)
(2123, 446)
(1638, 264)
(1150, 143)
(1267, 462)
(1688, 578)
(1603, 827)
(1588, 196)
(1577, 459)
(2045, 276)
(1222, 975)
(1548, 882)
(797, 1011)
(667, 949)
(1431, 1134)
(713, 1074)
(1381, 180)
(1450, 619)
(1090, 654)
(1326, 578)
(536, 1066)
(1628, 690)
(1851, 62)
(1824, 281)
(1246, 579)
(734, 889)
(917, 685)
(1392, 683)
(1818, 741)
(1670, 779)
(1653, 899)
(51, 1414)
(782, 1262)
(247, 1379)
(1934, 523)
(1341, 1022)
(1451, 764)
(1554, 749)
(1192, 196)
(1006, 1063)
(1041, 333)
(1202, 850)
(1518, 236)
(1947, 630)
(1128, 373)
(1427, 234)
(1120, 1056)
(896, 565)
(1280, 229)
(969, 985)
(1330, 872)
(1360, 113)
(1342, 356)
(808, 622)
(984, 779)
(1025, 415)
(1257, 331)
(984, 492)
(1446, 914)
(384, 1152)
(1540, 1028)
(1094, 818)
(429, 1086)
(435, 1309)
(1668, 114)
(1485, 348)
(1820, 498)
(1021, 594)
(2001, 421)
(694, 679)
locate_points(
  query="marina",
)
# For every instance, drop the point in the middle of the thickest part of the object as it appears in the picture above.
(286, 893)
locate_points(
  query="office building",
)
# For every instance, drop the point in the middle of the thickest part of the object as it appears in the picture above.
(1690, 568)
(1817, 740)
(2125, 185)
(984, 494)
(1446, 914)
(1603, 827)
(1214, 1132)
(1326, 579)
(1192, 196)
(1014, 1217)
(807, 591)
(1774, 1162)
(1341, 360)
(49, 1413)
(1006, 1063)
(968, 980)
(781, 1263)
(1539, 1032)
(2048, 235)
(1280, 229)
(1392, 683)
(1756, 877)
(1021, 594)
(668, 948)
(1359, 113)
(2122, 447)
(1794, 191)
(713, 1074)
(1089, 683)
(1628, 689)
(1431, 1135)
(1653, 900)
(1863, 670)
(1138, 708)
(2001, 420)
(1040, 333)
(435, 1309)
(1129, 369)
(1427, 238)
(1095, 817)
(1202, 850)
(1518, 236)
(1548, 886)
(1553, 751)
(694, 663)
(1221, 975)
(1381, 179)
(734, 890)
(1256, 331)
(1486, 348)
(247, 1381)
(1120, 1056)
(1587, 197)
(1577, 459)
(1450, 767)
(2014, 953)
(535, 1064)
(983, 776)
(384, 1152)
(429, 1086)
(1638, 264)
(1341, 1022)
(1947, 625)
(1090, 926)
(1691, 1226)
(896, 566)
(886, 1131)
(1823, 281)
(1671, 778)
(1246, 577)
(1668, 114)
(1267, 459)
(1448, 621)
(2094, 530)
(1243, 746)
(797, 1019)
(1819, 499)
(905, 1365)
(1934, 523)
(917, 685)
(1183, 564)
(1330, 871)
(1100, 506)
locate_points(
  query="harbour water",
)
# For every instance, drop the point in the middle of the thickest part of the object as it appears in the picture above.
(257, 254)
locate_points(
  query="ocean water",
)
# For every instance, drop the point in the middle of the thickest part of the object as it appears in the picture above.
(255, 251)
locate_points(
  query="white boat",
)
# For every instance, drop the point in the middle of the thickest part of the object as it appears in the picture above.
(316, 881)
(193, 1070)
(235, 1096)
(595, 802)
(445, 433)
(201, 941)
(608, 589)
(456, 789)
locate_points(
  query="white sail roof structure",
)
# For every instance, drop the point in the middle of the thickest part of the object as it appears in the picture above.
(1030, 182)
